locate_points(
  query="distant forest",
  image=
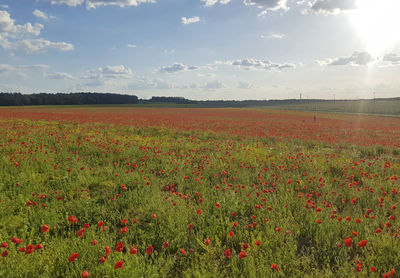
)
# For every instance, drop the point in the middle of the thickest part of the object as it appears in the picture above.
(87, 98)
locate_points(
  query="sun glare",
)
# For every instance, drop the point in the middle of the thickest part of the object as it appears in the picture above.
(378, 22)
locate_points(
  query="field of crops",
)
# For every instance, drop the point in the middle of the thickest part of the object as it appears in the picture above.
(142, 192)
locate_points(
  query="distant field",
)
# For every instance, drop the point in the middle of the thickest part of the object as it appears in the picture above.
(175, 192)
(384, 107)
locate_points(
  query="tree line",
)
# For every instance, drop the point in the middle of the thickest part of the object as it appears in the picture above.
(18, 99)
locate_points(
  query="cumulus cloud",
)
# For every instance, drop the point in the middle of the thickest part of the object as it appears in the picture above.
(92, 4)
(60, 75)
(331, 6)
(259, 64)
(39, 45)
(14, 36)
(20, 70)
(392, 58)
(42, 15)
(190, 20)
(209, 3)
(356, 59)
(132, 45)
(267, 5)
(110, 72)
(176, 67)
(8, 28)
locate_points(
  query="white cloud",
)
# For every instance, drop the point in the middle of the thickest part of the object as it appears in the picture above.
(331, 6)
(259, 64)
(356, 59)
(209, 3)
(273, 36)
(42, 15)
(4, 6)
(105, 74)
(190, 20)
(20, 70)
(92, 4)
(39, 45)
(132, 45)
(176, 67)
(8, 28)
(392, 58)
(14, 36)
(271, 5)
(60, 75)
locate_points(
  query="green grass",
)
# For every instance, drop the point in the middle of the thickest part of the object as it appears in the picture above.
(245, 176)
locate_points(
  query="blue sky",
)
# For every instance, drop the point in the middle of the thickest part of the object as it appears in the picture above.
(202, 49)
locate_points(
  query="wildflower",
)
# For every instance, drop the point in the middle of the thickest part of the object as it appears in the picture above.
(44, 229)
(227, 253)
(133, 250)
(149, 250)
(85, 274)
(73, 257)
(348, 241)
(242, 254)
(275, 267)
(362, 243)
(119, 264)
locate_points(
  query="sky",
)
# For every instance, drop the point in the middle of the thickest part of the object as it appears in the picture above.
(202, 49)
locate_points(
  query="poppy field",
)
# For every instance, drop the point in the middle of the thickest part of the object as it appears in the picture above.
(145, 192)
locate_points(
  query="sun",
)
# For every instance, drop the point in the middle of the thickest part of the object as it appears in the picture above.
(378, 24)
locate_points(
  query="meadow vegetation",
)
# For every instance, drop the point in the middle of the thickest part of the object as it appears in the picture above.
(197, 193)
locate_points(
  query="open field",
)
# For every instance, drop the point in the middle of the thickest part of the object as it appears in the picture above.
(146, 192)
(378, 106)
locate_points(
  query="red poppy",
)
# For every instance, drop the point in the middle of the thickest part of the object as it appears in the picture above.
(242, 254)
(133, 250)
(227, 253)
(119, 247)
(373, 269)
(4, 244)
(318, 221)
(149, 250)
(190, 226)
(4, 254)
(354, 233)
(44, 229)
(123, 230)
(275, 267)
(38, 246)
(245, 246)
(99, 224)
(94, 242)
(29, 249)
(166, 244)
(81, 232)
(85, 274)
(362, 243)
(16, 240)
(73, 257)
(207, 241)
(102, 260)
(119, 264)
(199, 211)
(231, 234)
(348, 241)
(182, 251)
(72, 219)
(257, 243)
